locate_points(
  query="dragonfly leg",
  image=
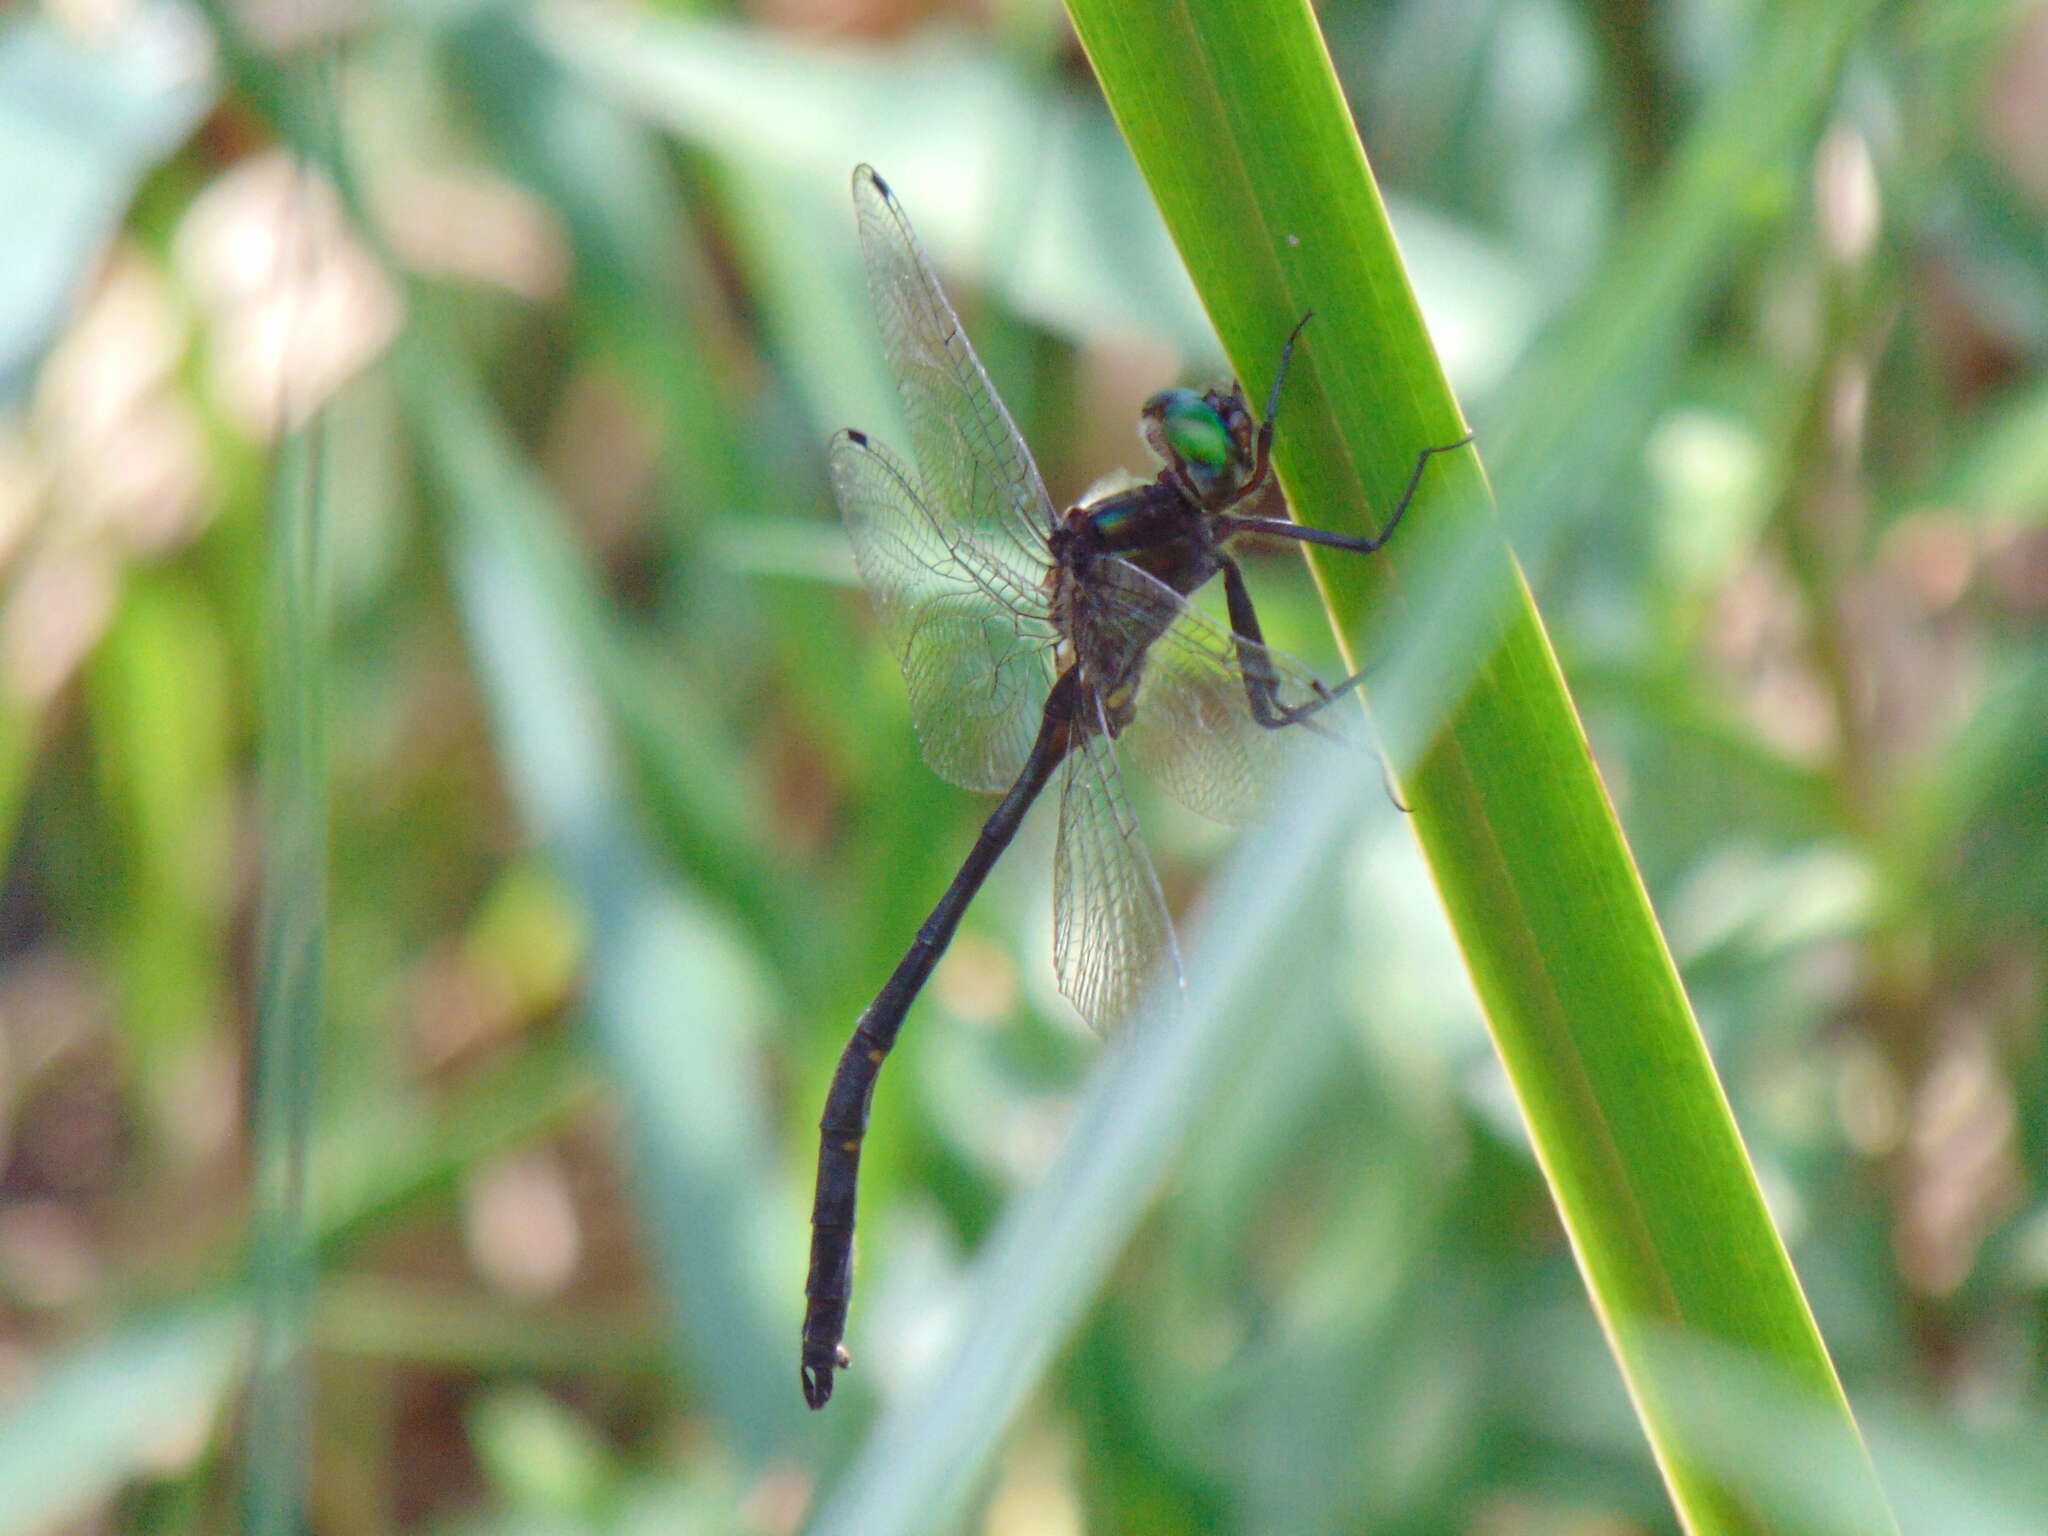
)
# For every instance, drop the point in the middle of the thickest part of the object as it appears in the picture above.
(1261, 685)
(843, 1127)
(1285, 528)
(1280, 373)
(1262, 457)
(1261, 682)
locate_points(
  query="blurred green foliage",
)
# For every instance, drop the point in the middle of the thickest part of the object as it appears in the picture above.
(627, 818)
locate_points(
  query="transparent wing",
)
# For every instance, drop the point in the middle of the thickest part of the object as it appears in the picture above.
(1109, 923)
(967, 625)
(1192, 727)
(968, 451)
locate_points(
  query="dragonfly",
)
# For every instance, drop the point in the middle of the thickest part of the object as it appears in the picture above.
(1035, 645)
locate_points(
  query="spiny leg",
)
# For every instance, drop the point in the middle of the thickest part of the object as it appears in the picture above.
(1286, 528)
(1261, 681)
(1261, 685)
(1280, 373)
(1262, 456)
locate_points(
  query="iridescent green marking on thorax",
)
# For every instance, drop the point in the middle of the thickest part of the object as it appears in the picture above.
(1113, 524)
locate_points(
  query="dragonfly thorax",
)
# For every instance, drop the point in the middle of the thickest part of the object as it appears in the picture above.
(1120, 566)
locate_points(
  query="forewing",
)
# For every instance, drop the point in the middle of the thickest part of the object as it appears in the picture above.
(1110, 928)
(1192, 727)
(972, 460)
(967, 625)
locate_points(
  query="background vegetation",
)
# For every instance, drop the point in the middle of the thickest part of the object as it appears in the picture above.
(626, 820)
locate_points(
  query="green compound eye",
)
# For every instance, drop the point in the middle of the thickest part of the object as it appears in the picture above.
(1193, 429)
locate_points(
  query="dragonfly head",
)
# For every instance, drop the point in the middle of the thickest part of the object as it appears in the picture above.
(1206, 436)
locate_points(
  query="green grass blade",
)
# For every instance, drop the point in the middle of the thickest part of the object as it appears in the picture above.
(289, 979)
(1238, 123)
